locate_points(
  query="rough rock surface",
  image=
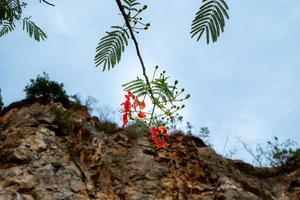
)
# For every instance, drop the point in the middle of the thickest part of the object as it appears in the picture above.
(39, 161)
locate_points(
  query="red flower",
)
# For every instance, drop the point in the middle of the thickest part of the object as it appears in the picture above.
(126, 105)
(125, 119)
(132, 101)
(142, 104)
(154, 131)
(162, 129)
(135, 103)
(141, 115)
(129, 94)
(159, 136)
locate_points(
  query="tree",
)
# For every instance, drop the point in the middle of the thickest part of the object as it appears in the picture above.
(210, 19)
(11, 12)
(42, 86)
(164, 96)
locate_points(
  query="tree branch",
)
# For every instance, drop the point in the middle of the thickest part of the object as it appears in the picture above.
(121, 8)
(46, 2)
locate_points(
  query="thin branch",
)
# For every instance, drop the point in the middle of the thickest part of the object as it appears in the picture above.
(121, 8)
(46, 2)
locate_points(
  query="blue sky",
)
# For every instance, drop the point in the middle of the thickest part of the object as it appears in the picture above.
(245, 85)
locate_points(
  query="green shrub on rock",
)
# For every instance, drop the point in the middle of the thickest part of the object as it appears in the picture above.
(64, 120)
(42, 86)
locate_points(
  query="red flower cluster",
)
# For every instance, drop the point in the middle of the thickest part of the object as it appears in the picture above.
(131, 101)
(160, 136)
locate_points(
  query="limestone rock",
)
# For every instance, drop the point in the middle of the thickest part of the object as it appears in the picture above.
(38, 163)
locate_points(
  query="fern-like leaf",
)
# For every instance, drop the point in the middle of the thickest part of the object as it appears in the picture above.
(111, 47)
(10, 10)
(33, 30)
(162, 89)
(130, 5)
(6, 28)
(137, 87)
(210, 19)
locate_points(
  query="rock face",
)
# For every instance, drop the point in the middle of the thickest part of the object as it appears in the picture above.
(39, 161)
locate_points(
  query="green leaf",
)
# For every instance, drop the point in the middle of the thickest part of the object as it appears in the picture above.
(111, 47)
(6, 28)
(33, 30)
(210, 19)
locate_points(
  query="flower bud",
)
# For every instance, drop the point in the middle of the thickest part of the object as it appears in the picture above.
(182, 90)
(148, 24)
(187, 96)
(176, 82)
(145, 7)
(156, 67)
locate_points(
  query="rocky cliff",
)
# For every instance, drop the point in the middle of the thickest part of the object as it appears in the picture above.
(42, 159)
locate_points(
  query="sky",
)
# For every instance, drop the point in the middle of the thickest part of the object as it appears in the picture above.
(245, 86)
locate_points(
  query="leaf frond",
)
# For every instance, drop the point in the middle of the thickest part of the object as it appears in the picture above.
(210, 19)
(33, 30)
(111, 47)
(6, 28)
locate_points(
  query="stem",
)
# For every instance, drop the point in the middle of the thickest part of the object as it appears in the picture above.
(121, 8)
(152, 113)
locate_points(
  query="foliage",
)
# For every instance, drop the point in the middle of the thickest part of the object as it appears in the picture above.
(111, 47)
(1, 102)
(42, 86)
(138, 127)
(189, 128)
(64, 120)
(210, 19)
(11, 10)
(33, 30)
(89, 102)
(106, 114)
(6, 28)
(165, 103)
(274, 153)
(279, 153)
(204, 135)
(106, 126)
(166, 97)
(230, 153)
(11, 13)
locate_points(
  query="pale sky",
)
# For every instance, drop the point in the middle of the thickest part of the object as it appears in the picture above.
(245, 85)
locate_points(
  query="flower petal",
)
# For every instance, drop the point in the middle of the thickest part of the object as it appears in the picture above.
(162, 129)
(141, 115)
(154, 131)
(125, 119)
(142, 104)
